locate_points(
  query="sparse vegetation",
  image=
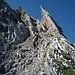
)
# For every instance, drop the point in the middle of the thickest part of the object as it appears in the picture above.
(58, 38)
(63, 69)
(68, 57)
(64, 53)
(68, 72)
(68, 63)
(68, 47)
(55, 50)
(62, 42)
(51, 56)
(54, 39)
(54, 65)
(58, 62)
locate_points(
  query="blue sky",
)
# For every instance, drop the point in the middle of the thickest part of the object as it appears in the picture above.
(62, 11)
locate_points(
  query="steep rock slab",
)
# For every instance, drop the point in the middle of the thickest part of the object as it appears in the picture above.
(17, 34)
(12, 28)
(49, 23)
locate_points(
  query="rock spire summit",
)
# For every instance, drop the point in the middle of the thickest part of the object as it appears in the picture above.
(43, 10)
(49, 23)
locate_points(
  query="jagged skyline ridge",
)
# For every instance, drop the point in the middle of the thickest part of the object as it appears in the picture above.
(61, 11)
(30, 46)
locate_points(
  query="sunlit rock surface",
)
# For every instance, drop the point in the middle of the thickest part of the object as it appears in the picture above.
(29, 46)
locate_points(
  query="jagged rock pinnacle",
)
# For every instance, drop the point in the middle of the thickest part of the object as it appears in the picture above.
(49, 23)
(43, 10)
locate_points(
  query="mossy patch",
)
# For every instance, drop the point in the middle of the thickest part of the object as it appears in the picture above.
(54, 65)
(58, 62)
(68, 72)
(68, 57)
(64, 53)
(68, 63)
(68, 47)
(58, 38)
(54, 39)
(52, 56)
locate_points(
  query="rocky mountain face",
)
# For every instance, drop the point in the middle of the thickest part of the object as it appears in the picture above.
(29, 46)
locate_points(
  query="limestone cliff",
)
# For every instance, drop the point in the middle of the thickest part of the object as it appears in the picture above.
(32, 47)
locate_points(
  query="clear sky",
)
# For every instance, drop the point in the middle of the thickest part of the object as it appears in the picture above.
(62, 11)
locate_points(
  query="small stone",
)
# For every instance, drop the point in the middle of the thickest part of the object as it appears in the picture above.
(23, 67)
(15, 65)
(29, 48)
(29, 61)
(24, 48)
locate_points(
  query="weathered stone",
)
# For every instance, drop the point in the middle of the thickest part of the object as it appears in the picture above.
(16, 33)
(29, 61)
(8, 66)
(23, 67)
(15, 65)
(32, 47)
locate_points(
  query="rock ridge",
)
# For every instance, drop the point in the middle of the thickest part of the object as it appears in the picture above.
(29, 46)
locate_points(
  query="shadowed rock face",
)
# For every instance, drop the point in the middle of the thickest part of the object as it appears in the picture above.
(12, 28)
(32, 47)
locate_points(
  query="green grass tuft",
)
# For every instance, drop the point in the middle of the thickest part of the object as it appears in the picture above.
(58, 38)
(68, 72)
(54, 65)
(51, 56)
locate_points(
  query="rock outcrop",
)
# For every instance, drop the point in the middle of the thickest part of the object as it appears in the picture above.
(32, 47)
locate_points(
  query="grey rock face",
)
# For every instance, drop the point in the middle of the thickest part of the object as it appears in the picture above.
(32, 47)
(49, 23)
(17, 34)
(11, 25)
